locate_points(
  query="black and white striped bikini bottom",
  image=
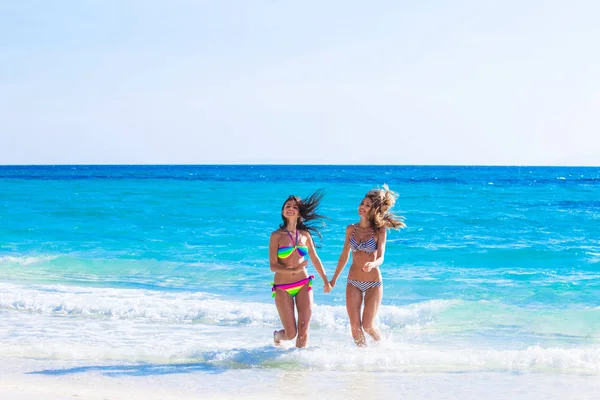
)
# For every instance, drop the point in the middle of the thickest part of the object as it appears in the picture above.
(363, 286)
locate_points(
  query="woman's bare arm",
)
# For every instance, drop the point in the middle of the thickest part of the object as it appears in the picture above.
(344, 256)
(312, 253)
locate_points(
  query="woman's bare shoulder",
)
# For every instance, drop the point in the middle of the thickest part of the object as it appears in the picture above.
(276, 233)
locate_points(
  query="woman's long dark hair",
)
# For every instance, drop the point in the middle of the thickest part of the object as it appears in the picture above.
(309, 219)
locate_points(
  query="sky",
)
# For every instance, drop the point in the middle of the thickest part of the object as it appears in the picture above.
(300, 82)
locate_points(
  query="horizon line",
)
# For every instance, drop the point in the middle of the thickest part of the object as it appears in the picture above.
(303, 165)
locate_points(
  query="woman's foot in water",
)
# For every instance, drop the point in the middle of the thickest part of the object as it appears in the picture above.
(276, 339)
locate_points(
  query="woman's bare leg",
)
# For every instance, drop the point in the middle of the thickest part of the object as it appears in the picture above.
(373, 298)
(304, 300)
(285, 307)
(353, 304)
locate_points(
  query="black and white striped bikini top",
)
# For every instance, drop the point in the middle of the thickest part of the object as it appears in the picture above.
(369, 246)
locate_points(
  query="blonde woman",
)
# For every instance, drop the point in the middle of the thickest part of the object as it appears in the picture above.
(366, 240)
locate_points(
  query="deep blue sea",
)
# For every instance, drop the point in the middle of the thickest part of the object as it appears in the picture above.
(498, 268)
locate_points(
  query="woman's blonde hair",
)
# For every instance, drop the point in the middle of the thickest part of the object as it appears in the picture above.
(380, 215)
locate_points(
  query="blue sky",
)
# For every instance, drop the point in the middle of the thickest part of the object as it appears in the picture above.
(280, 81)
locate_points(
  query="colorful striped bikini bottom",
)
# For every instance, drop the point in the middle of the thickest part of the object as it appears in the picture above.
(294, 287)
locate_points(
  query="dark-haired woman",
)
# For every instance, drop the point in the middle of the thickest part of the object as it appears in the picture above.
(288, 247)
(366, 239)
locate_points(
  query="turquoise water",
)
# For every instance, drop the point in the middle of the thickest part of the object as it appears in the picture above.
(498, 268)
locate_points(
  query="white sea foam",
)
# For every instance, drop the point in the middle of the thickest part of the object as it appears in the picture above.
(24, 260)
(187, 307)
(435, 316)
(250, 347)
(131, 303)
(428, 358)
(131, 325)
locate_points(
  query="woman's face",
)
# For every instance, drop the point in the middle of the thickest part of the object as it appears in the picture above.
(290, 210)
(365, 207)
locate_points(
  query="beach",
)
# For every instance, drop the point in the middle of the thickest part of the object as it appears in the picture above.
(152, 282)
(103, 384)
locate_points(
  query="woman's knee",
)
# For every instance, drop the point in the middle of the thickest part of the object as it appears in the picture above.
(290, 334)
(368, 323)
(303, 326)
(370, 329)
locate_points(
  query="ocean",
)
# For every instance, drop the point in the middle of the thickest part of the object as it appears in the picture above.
(160, 274)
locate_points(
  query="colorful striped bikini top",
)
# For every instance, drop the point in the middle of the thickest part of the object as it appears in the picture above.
(286, 251)
(369, 246)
